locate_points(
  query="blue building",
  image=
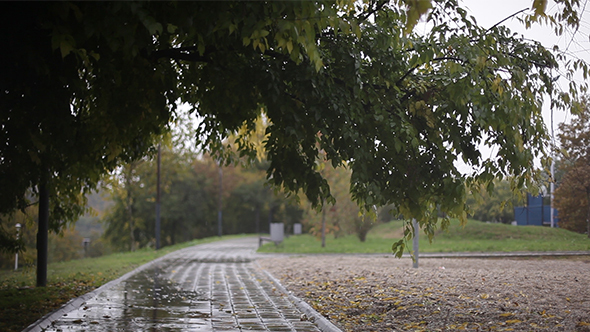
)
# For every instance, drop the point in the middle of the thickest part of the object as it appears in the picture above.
(534, 213)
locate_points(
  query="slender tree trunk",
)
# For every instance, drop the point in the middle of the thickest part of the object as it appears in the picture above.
(270, 216)
(42, 233)
(588, 212)
(220, 203)
(323, 225)
(257, 219)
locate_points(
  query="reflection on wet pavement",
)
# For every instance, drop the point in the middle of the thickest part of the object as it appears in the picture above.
(213, 287)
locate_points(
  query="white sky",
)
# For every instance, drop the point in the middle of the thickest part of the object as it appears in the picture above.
(488, 13)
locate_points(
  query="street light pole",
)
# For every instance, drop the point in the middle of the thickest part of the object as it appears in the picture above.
(552, 186)
(158, 200)
(416, 242)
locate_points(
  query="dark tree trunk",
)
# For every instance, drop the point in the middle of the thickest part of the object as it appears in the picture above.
(362, 234)
(42, 234)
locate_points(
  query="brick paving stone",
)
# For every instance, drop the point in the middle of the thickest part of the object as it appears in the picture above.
(211, 287)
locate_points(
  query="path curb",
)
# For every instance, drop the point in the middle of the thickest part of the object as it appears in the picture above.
(322, 322)
(513, 254)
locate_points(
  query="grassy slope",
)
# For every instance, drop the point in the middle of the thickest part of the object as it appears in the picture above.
(21, 304)
(475, 236)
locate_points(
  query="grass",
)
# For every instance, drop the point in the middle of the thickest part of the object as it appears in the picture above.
(475, 236)
(21, 304)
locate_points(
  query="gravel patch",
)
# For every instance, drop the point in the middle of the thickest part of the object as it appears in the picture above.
(368, 293)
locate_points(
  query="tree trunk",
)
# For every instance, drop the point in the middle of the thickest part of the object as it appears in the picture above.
(324, 224)
(220, 203)
(42, 234)
(362, 234)
(257, 219)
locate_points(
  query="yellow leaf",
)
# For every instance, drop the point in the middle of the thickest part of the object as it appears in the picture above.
(513, 321)
(416, 9)
(319, 64)
(539, 6)
(506, 314)
(65, 48)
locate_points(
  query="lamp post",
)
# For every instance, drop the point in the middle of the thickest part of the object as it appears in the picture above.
(158, 221)
(16, 257)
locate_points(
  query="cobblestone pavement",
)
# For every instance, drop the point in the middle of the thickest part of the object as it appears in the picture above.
(211, 287)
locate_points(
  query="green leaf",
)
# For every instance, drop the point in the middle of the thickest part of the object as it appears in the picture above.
(171, 28)
(65, 48)
(155, 28)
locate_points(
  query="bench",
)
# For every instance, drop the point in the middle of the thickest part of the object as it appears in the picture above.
(262, 239)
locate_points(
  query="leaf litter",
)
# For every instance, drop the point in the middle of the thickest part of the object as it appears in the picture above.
(371, 293)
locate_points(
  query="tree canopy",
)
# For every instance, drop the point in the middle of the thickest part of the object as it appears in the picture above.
(87, 85)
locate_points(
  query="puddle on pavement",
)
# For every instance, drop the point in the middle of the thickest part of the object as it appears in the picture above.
(147, 301)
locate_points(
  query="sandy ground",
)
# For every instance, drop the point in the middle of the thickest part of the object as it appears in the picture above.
(371, 293)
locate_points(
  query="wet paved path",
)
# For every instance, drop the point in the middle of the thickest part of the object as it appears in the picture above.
(210, 287)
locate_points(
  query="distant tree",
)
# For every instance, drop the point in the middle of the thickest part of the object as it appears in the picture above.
(494, 203)
(190, 191)
(343, 216)
(64, 246)
(572, 196)
(185, 203)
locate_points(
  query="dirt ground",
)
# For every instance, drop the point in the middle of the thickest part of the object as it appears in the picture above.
(370, 293)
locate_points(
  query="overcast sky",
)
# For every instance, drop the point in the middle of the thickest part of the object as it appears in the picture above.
(577, 44)
(488, 13)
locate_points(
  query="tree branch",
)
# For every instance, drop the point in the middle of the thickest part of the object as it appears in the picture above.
(434, 59)
(378, 7)
(181, 53)
(506, 19)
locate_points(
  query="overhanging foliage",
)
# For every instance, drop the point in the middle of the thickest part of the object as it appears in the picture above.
(92, 84)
